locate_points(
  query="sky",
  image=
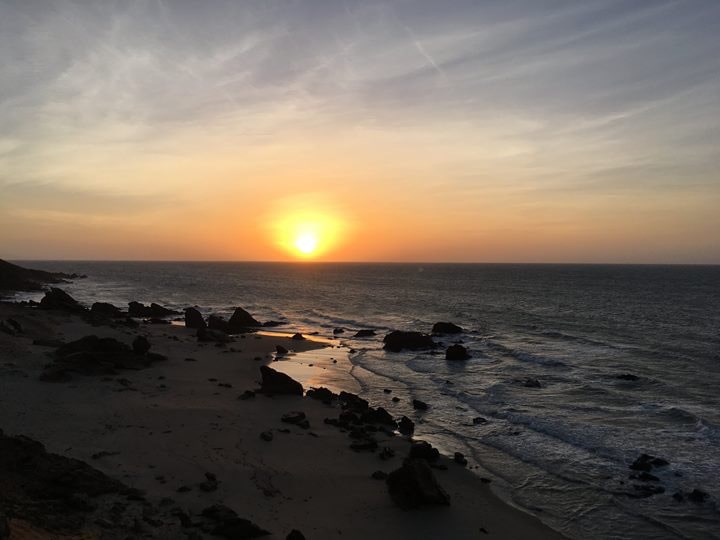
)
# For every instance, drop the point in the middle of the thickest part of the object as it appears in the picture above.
(463, 131)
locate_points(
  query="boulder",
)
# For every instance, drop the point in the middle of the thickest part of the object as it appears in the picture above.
(295, 535)
(627, 377)
(456, 352)
(406, 426)
(338, 330)
(414, 485)
(298, 337)
(104, 309)
(398, 340)
(364, 333)
(241, 321)
(532, 383)
(322, 394)
(274, 382)
(353, 402)
(58, 299)
(446, 328)
(279, 349)
(194, 319)
(156, 310)
(138, 310)
(423, 450)
(460, 459)
(377, 416)
(646, 463)
(140, 345)
(419, 405)
(216, 322)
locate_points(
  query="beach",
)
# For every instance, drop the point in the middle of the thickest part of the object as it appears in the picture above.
(178, 431)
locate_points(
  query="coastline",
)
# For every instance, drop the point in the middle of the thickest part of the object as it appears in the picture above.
(170, 422)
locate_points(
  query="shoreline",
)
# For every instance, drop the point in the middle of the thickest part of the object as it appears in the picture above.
(176, 402)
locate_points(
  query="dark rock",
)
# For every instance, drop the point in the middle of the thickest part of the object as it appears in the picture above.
(322, 394)
(337, 331)
(241, 321)
(138, 310)
(419, 405)
(58, 299)
(377, 416)
(627, 377)
(423, 450)
(266, 436)
(105, 309)
(387, 391)
(532, 383)
(647, 477)
(194, 319)
(406, 426)
(298, 337)
(353, 402)
(648, 490)
(646, 462)
(446, 328)
(460, 459)
(274, 382)
(216, 322)
(247, 394)
(414, 485)
(697, 496)
(279, 349)
(17, 278)
(140, 345)
(272, 324)
(379, 475)
(395, 399)
(397, 341)
(211, 335)
(479, 420)
(364, 333)
(295, 535)
(456, 352)
(227, 524)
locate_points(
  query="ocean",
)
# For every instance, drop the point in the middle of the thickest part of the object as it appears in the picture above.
(561, 451)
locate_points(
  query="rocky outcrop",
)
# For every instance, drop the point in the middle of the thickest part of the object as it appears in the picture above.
(224, 522)
(398, 340)
(194, 319)
(17, 278)
(322, 394)
(424, 450)
(414, 485)
(274, 382)
(241, 321)
(57, 299)
(138, 310)
(216, 322)
(446, 328)
(456, 352)
(104, 309)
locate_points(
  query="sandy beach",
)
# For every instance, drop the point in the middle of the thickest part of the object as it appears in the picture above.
(178, 431)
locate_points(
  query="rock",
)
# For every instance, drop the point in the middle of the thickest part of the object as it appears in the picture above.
(58, 299)
(337, 331)
(17, 278)
(272, 324)
(479, 420)
(266, 436)
(397, 340)
(364, 333)
(353, 402)
(298, 337)
(648, 490)
(140, 345)
(241, 321)
(226, 523)
(419, 405)
(456, 352)
(647, 477)
(247, 394)
(279, 349)
(646, 462)
(104, 309)
(460, 459)
(210, 335)
(414, 485)
(296, 418)
(406, 426)
(322, 394)
(156, 310)
(274, 382)
(627, 377)
(423, 450)
(295, 535)
(532, 383)
(395, 399)
(216, 322)
(194, 319)
(697, 496)
(446, 328)
(377, 416)
(138, 310)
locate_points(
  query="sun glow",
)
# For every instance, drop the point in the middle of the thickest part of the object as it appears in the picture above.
(306, 243)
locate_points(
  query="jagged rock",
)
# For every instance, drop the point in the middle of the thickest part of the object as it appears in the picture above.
(17, 278)
(279, 349)
(241, 321)
(58, 299)
(419, 405)
(398, 340)
(216, 322)
(456, 352)
(406, 426)
(322, 394)
(353, 402)
(364, 333)
(460, 459)
(138, 310)
(210, 335)
(446, 328)
(226, 523)
(104, 309)
(414, 485)
(140, 345)
(298, 337)
(423, 450)
(274, 382)
(194, 319)
(377, 416)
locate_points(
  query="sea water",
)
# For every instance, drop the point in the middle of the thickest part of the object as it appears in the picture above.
(561, 451)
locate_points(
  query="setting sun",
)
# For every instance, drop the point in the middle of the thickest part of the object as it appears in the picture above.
(306, 243)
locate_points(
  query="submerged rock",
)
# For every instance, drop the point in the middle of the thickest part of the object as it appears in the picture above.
(274, 382)
(364, 333)
(532, 383)
(414, 485)
(446, 328)
(456, 352)
(194, 319)
(398, 340)
(419, 405)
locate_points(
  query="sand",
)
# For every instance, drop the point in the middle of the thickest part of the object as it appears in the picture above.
(163, 428)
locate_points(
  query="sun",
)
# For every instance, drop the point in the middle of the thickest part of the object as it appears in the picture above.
(306, 243)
